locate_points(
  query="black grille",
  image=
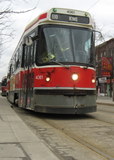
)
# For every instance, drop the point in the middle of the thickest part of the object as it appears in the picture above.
(65, 92)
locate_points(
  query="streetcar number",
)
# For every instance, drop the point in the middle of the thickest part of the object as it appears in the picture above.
(39, 77)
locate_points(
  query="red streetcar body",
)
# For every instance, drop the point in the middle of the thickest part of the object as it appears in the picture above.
(4, 87)
(52, 69)
(62, 77)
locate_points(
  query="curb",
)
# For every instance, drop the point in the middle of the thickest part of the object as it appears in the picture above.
(105, 103)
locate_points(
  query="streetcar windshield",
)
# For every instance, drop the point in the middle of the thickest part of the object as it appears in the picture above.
(65, 44)
(4, 82)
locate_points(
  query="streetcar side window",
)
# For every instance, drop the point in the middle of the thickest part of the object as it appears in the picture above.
(28, 55)
(25, 57)
(17, 59)
(13, 65)
(34, 52)
(29, 51)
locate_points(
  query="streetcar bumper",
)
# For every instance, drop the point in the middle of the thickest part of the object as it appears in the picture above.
(61, 110)
(61, 104)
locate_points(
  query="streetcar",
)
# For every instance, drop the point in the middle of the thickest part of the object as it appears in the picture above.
(52, 69)
(4, 86)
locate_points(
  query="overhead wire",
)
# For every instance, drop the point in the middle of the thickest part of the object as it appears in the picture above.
(93, 5)
(37, 3)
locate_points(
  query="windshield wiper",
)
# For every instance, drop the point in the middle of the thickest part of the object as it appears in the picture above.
(61, 64)
(88, 65)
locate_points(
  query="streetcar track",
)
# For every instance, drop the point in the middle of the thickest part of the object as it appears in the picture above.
(81, 141)
(75, 138)
(72, 136)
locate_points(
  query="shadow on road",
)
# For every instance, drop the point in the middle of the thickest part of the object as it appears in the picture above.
(52, 116)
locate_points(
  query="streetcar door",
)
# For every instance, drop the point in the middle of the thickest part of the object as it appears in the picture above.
(28, 76)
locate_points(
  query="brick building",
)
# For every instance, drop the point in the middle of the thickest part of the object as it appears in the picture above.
(105, 67)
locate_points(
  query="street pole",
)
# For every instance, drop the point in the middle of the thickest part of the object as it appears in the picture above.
(112, 91)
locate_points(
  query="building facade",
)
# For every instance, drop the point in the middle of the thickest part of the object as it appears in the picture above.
(105, 67)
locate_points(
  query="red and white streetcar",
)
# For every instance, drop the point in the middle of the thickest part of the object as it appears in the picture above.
(4, 86)
(53, 67)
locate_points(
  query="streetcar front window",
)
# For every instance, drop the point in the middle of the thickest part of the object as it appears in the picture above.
(65, 44)
(4, 82)
(81, 45)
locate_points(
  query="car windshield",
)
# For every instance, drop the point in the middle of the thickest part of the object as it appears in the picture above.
(65, 44)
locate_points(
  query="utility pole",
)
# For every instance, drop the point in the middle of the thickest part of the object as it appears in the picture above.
(112, 91)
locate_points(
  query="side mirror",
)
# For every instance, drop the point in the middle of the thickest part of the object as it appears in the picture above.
(98, 36)
(28, 41)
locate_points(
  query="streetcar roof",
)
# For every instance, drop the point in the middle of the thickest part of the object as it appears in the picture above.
(63, 15)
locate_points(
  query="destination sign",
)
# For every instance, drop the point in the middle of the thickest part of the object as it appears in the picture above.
(69, 18)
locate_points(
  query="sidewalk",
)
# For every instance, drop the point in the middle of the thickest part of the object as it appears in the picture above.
(105, 100)
(17, 142)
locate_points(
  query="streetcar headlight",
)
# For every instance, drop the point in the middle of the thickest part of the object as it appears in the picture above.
(93, 80)
(48, 79)
(74, 77)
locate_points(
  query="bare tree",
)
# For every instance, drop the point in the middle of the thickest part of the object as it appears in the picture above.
(6, 30)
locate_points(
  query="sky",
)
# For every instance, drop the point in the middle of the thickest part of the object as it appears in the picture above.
(102, 12)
